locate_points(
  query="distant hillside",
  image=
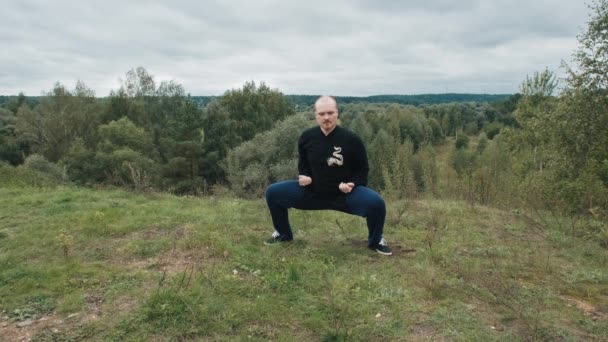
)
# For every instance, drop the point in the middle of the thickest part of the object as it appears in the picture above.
(415, 100)
(308, 100)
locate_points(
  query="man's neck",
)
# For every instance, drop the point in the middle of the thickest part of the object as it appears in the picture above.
(328, 132)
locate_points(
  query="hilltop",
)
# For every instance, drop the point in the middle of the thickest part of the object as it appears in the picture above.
(84, 264)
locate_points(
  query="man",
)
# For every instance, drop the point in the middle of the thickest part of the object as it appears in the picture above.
(333, 171)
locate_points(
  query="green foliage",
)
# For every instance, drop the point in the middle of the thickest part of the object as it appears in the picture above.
(39, 164)
(493, 129)
(124, 166)
(462, 141)
(81, 164)
(237, 117)
(124, 134)
(269, 157)
(10, 152)
(427, 157)
(456, 117)
(561, 147)
(163, 124)
(505, 108)
(362, 128)
(464, 161)
(482, 143)
(24, 177)
(493, 180)
(8, 120)
(592, 56)
(61, 117)
(401, 174)
(538, 87)
(438, 136)
(124, 156)
(16, 102)
(12, 149)
(380, 154)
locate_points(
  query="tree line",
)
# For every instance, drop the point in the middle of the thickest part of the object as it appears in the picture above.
(155, 135)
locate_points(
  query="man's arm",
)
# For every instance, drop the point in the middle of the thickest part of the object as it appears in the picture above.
(360, 167)
(304, 169)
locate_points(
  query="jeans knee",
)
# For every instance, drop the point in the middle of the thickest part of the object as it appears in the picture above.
(379, 204)
(271, 191)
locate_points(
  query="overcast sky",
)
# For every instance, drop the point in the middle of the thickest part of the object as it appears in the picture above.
(358, 47)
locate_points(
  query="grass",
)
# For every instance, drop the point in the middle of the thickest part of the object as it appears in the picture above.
(110, 265)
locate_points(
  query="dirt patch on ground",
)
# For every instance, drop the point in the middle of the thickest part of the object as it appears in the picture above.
(55, 327)
(174, 261)
(26, 330)
(588, 309)
(154, 232)
(177, 261)
(424, 332)
(125, 305)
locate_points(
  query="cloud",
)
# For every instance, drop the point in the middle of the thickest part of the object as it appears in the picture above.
(360, 47)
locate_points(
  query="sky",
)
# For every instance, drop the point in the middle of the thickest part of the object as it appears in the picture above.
(356, 47)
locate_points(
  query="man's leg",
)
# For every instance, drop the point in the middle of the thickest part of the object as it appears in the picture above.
(280, 197)
(363, 201)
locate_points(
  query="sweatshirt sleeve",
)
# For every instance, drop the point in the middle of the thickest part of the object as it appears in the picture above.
(360, 165)
(303, 165)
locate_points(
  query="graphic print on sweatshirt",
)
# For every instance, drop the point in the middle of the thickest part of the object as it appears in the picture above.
(337, 158)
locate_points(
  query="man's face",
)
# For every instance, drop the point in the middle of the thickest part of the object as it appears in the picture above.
(326, 114)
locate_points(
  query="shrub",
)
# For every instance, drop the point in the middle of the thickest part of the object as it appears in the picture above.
(20, 176)
(38, 163)
(462, 140)
(269, 157)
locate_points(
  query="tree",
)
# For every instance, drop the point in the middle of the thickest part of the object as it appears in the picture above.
(462, 141)
(583, 117)
(237, 117)
(59, 119)
(126, 154)
(172, 120)
(15, 103)
(591, 57)
(535, 113)
(269, 157)
(11, 150)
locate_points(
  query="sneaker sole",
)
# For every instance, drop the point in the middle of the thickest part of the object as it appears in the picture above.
(384, 253)
(275, 243)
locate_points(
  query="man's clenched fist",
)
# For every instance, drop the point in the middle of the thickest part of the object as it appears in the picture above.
(346, 187)
(304, 180)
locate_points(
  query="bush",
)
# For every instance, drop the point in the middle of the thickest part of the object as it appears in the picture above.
(38, 163)
(482, 143)
(11, 153)
(493, 129)
(20, 176)
(81, 165)
(269, 157)
(462, 140)
(128, 167)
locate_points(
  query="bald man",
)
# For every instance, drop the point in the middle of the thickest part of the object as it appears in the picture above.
(333, 170)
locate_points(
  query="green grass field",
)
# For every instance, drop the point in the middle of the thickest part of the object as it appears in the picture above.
(110, 265)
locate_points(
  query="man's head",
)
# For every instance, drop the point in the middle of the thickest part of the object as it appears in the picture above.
(326, 113)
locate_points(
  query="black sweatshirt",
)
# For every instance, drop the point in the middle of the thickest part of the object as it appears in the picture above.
(332, 159)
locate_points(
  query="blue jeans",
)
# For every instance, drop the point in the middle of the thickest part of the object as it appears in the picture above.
(361, 201)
